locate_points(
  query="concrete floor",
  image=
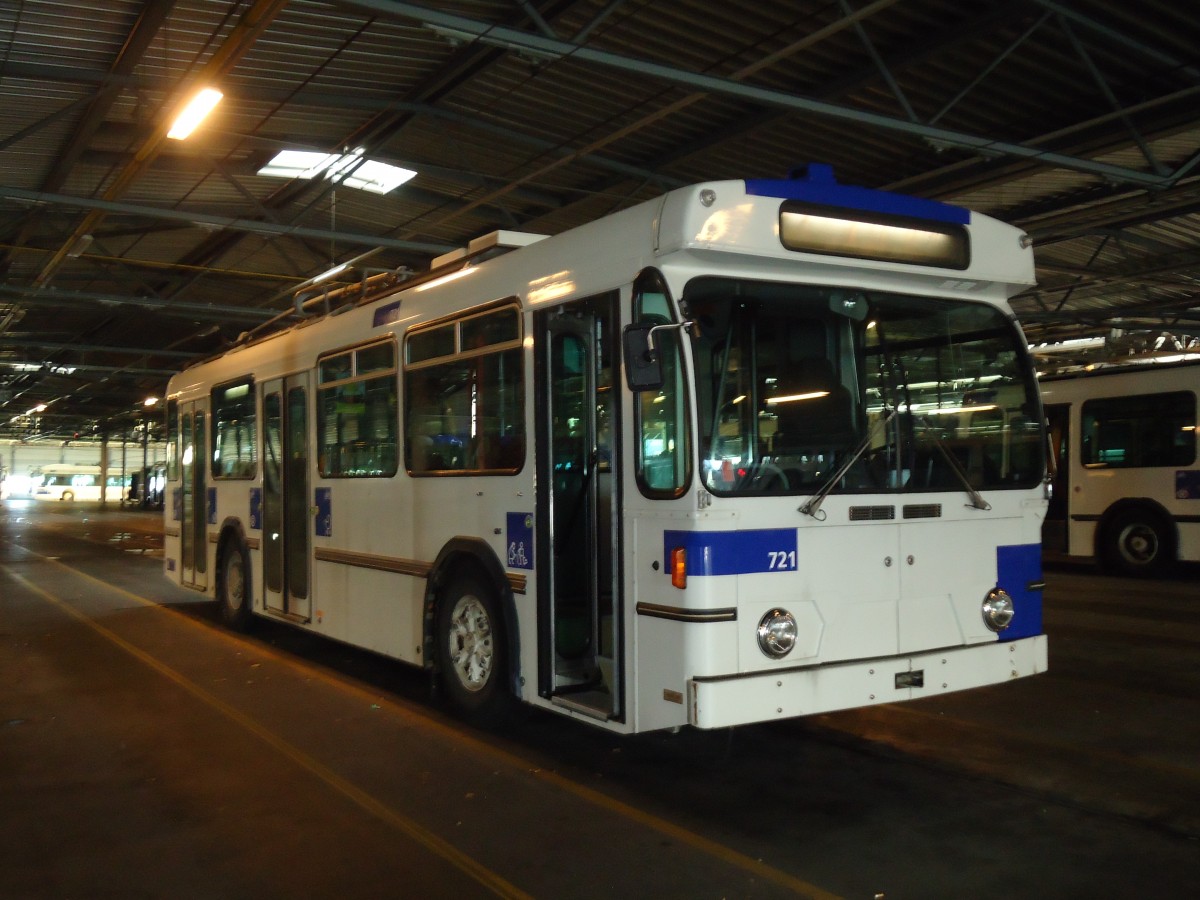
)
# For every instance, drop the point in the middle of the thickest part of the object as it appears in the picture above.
(147, 752)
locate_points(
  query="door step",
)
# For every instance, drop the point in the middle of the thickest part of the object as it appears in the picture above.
(294, 618)
(593, 704)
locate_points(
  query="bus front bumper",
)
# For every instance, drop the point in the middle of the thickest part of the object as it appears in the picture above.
(784, 693)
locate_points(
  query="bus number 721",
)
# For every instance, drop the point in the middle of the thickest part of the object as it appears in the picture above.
(781, 560)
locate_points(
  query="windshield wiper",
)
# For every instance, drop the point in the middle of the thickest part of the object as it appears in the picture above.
(977, 500)
(813, 506)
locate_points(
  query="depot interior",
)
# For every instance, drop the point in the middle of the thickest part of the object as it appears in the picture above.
(340, 141)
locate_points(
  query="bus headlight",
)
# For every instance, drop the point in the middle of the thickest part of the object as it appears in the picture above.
(777, 633)
(998, 609)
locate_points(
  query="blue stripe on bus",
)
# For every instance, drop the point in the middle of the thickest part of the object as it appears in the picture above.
(734, 552)
(818, 186)
(1017, 567)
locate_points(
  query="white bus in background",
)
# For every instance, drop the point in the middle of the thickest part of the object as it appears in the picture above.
(1127, 482)
(752, 450)
(69, 482)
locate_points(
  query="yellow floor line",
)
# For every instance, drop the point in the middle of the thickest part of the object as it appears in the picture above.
(408, 827)
(712, 848)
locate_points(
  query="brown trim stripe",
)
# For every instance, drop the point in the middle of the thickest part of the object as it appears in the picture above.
(518, 583)
(370, 561)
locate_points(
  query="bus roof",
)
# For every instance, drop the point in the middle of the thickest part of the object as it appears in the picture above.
(1132, 367)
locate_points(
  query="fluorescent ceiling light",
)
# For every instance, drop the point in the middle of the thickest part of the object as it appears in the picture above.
(350, 169)
(952, 410)
(41, 367)
(194, 113)
(792, 398)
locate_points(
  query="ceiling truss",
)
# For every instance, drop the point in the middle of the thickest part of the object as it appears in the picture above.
(124, 255)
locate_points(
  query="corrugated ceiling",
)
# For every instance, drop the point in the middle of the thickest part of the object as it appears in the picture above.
(1074, 119)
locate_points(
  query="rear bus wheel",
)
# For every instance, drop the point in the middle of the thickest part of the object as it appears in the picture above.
(1138, 542)
(473, 661)
(233, 586)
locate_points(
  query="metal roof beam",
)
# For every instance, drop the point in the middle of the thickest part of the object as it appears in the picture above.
(877, 58)
(46, 121)
(25, 344)
(1107, 91)
(57, 296)
(234, 224)
(514, 39)
(989, 68)
(239, 42)
(1123, 39)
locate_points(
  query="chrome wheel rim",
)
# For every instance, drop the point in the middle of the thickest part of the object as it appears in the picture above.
(1138, 543)
(469, 642)
(235, 582)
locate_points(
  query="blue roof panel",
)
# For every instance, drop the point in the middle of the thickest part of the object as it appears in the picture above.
(816, 184)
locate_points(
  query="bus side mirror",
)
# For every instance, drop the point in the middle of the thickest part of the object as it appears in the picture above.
(643, 365)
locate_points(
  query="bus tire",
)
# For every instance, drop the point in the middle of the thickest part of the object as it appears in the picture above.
(234, 592)
(68, 496)
(473, 664)
(1138, 542)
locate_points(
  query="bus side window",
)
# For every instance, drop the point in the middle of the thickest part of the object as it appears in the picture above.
(357, 398)
(172, 440)
(464, 395)
(235, 446)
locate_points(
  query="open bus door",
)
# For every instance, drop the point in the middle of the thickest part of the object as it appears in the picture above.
(285, 505)
(1055, 530)
(579, 629)
(193, 530)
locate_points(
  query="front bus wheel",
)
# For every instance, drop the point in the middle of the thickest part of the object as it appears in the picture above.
(472, 658)
(233, 585)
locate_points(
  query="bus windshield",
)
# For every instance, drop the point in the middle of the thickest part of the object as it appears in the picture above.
(805, 389)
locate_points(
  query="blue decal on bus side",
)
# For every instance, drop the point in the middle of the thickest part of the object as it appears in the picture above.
(1019, 572)
(818, 186)
(733, 552)
(519, 540)
(256, 509)
(1187, 485)
(324, 512)
(386, 315)
(212, 506)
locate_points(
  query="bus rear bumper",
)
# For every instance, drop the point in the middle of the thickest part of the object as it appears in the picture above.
(784, 693)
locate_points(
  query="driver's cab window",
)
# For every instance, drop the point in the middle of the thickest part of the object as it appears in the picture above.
(663, 445)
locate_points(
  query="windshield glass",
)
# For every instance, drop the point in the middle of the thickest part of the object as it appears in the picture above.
(795, 383)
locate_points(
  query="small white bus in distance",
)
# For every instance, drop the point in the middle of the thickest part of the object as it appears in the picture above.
(1126, 483)
(751, 450)
(67, 481)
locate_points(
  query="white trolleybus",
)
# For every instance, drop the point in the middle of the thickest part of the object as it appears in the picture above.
(1126, 480)
(752, 450)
